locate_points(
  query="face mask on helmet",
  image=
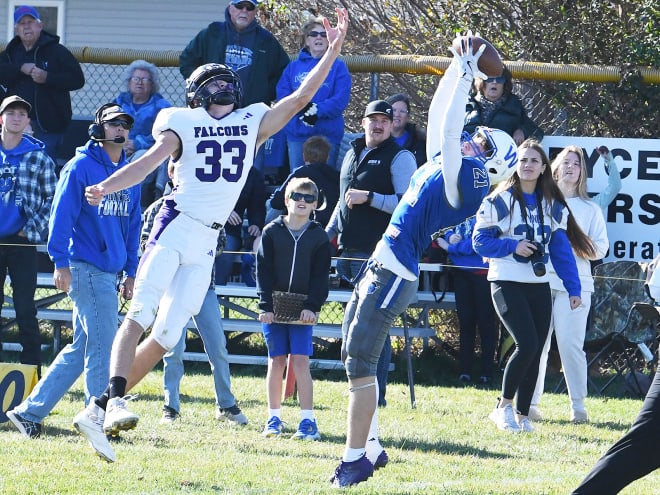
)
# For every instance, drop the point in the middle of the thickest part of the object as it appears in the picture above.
(213, 84)
(500, 156)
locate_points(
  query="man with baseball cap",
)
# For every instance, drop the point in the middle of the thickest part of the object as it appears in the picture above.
(374, 175)
(26, 193)
(36, 67)
(90, 246)
(247, 48)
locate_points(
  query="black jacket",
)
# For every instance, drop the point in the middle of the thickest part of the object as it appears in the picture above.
(268, 62)
(51, 102)
(511, 116)
(251, 200)
(302, 268)
(361, 227)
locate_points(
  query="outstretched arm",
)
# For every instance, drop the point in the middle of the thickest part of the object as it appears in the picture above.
(166, 144)
(286, 108)
(455, 93)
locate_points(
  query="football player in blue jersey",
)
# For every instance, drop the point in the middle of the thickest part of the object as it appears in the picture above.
(442, 193)
(212, 144)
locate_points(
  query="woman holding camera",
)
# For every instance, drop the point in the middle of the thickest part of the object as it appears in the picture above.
(524, 222)
(569, 171)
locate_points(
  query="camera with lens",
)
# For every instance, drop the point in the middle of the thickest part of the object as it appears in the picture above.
(536, 259)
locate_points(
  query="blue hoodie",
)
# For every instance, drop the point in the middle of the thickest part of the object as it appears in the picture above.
(106, 235)
(331, 98)
(27, 185)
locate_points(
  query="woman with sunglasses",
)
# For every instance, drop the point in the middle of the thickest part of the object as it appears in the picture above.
(493, 104)
(324, 115)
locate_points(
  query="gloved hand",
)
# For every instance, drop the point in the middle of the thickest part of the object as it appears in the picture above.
(308, 115)
(469, 61)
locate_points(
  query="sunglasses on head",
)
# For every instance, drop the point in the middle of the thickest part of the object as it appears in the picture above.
(245, 5)
(307, 198)
(119, 122)
(314, 34)
(498, 80)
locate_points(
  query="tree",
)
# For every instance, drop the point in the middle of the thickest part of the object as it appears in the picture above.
(623, 34)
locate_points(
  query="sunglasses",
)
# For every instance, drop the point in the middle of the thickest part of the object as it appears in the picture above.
(498, 80)
(314, 34)
(119, 122)
(245, 5)
(307, 198)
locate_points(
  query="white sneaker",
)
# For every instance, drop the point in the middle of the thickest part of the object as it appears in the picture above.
(118, 417)
(89, 423)
(535, 413)
(579, 417)
(504, 418)
(526, 425)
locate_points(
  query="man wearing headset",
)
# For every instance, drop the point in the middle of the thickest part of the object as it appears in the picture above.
(90, 246)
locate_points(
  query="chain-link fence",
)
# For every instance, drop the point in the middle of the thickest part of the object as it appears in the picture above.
(541, 97)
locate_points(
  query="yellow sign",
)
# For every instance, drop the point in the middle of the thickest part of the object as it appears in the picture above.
(16, 383)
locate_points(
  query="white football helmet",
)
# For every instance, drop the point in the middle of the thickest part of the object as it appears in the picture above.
(501, 158)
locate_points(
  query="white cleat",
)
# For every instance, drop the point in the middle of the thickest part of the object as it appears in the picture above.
(89, 423)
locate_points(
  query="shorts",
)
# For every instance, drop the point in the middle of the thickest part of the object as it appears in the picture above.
(378, 298)
(286, 338)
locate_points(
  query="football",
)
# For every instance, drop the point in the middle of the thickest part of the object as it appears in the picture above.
(490, 62)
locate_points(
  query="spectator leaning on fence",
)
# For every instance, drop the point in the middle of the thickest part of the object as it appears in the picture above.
(90, 246)
(142, 100)
(36, 67)
(26, 194)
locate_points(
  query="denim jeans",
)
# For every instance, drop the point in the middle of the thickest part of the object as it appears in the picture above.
(21, 264)
(94, 296)
(224, 264)
(209, 326)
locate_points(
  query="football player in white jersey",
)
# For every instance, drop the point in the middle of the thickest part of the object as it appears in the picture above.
(212, 144)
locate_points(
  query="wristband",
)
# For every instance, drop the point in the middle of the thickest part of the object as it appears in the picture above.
(370, 197)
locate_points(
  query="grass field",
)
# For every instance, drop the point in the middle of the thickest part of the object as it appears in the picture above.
(444, 446)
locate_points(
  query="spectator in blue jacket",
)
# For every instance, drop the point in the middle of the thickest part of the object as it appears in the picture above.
(27, 188)
(324, 115)
(142, 100)
(90, 246)
(493, 104)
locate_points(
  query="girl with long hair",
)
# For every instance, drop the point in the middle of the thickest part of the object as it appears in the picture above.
(522, 224)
